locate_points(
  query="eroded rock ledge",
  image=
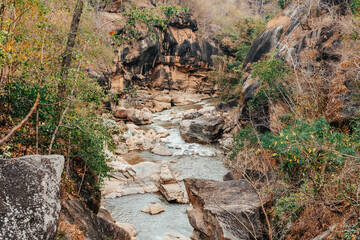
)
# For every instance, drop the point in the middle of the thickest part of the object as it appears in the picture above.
(223, 210)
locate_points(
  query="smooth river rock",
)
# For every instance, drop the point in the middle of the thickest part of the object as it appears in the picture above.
(154, 209)
(161, 150)
(30, 197)
(220, 210)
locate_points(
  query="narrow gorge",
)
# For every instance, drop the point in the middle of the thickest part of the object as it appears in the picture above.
(179, 119)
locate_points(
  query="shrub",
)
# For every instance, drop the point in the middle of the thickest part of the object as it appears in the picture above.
(310, 150)
(355, 7)
(283, 3)
(271, 74)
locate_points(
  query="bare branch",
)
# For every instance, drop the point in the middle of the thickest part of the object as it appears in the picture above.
(15, 129)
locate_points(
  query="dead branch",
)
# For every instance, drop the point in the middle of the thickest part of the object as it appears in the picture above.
(22, 123)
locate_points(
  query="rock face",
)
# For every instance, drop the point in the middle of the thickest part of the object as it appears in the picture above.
(93, 226)
(202, 130)
(179, 62)
(223, 210)
(173, 66)
(30, 197)
(311, 43)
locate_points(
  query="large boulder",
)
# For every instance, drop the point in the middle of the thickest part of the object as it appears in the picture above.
(93, 226)
(202, 130)
(30, 197)
(223, 210)
(140, 117)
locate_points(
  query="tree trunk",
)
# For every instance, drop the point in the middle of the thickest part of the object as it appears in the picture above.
(67, 56)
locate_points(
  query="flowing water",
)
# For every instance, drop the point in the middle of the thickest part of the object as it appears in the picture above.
(205, 164)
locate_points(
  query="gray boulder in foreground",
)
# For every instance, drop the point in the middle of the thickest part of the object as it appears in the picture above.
(30, 197)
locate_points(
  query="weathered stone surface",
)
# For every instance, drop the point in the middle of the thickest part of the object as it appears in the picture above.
(169, 187)
(222, 210)
(140, 117)
(174, 236)
(166, 176)
(106, 215)
(141, 140)
(161, 150)
(30, 197)
(93, 226)
(202, 130)
(127, 180)
(154, 209)
(173, 192)
(179, 61)
(121, 113)
(129, 228)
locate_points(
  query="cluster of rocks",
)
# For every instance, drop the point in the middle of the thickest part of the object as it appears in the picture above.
(179, 61)
(139, 117)
(136, 139)
(311, 45)
(145, 177)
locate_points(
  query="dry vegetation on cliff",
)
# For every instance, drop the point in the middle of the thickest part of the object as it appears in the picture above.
(300, 104)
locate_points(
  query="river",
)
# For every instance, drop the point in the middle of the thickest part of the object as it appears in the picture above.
(189, 160)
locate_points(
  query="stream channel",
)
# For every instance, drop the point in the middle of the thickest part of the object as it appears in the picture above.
(206, 164)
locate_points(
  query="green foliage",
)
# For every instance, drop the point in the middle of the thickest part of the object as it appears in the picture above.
(352, 232)
(355, 7)
(30, 62)
(271, 74)
(288, 207)
(310, 150)
(227, 74)
(283, 3)
(5, 152)
(89, 137)
(245, 137)
(318, 164)
(152, 19)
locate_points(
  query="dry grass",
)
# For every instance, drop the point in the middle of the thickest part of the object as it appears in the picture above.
(280, 21)
(72, 230)
(213, 16)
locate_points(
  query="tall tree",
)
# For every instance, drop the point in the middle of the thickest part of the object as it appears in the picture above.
(67, 55)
